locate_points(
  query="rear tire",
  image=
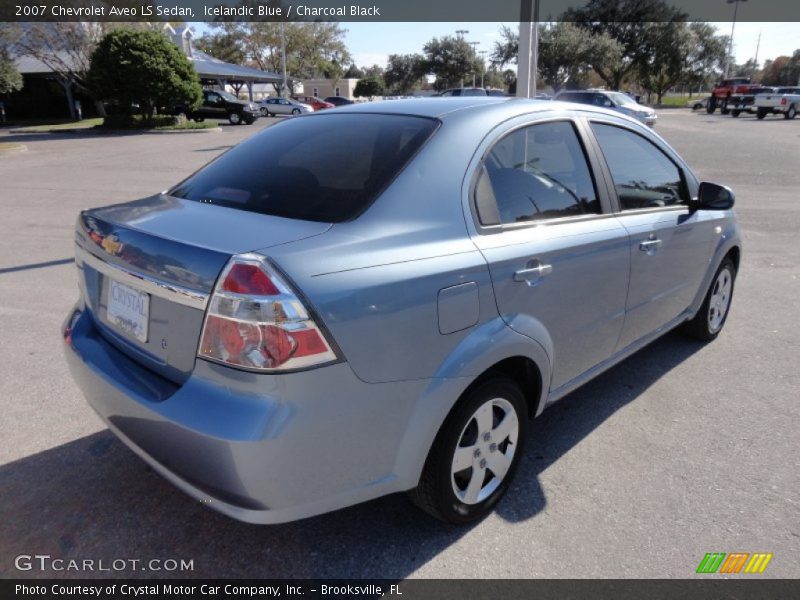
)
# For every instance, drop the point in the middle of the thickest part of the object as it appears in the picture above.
(723, 108)
(735, 113)
(711, 105)
(710, 319)
(475, 454)
(790, 113)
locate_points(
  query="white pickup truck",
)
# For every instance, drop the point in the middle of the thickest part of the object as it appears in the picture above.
(785, 101)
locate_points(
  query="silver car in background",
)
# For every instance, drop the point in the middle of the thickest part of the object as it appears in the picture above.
(271, 107)
(617, 101)
(379, 298)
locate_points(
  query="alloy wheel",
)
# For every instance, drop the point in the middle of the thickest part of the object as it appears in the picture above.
(485, 451)
(720, 300)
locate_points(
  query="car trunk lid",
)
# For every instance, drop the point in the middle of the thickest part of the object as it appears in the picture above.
(148, 267)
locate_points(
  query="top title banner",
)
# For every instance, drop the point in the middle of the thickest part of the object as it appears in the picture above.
(383, 10)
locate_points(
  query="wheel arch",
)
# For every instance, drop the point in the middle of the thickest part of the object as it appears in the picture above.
(502, 351)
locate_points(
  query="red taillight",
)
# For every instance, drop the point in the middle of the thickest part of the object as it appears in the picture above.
(256, 321)
(249, 279)
(784, 102)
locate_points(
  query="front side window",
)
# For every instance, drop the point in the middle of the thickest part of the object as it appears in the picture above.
(538, 172)
(643, 175)
(326, 168)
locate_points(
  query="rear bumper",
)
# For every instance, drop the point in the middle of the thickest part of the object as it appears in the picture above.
(260, 448)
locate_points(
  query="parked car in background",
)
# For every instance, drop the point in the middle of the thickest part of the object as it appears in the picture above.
(783, 101)
(496, 92)
(314, 102)
(617, 101)
(339, 100)
(379, 298)
(724, 90)
(272, 107)
(739, 103)
(219, 104)
(697, 103)
(467, 91)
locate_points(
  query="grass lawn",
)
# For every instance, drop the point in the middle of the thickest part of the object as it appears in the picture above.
(97, 124)
(681, 101)
(56, 125)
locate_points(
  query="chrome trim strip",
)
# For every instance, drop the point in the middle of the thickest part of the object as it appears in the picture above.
(144, 283)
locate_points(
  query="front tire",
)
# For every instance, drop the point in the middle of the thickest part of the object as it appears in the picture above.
(761, 114)
(235, 118)
(735, 113)
(710, 319)
(475, 454)
(723, 108)
(711, 105)
(295, 111)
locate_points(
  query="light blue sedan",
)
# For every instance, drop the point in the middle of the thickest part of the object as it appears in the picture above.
(617, 101)
(380, 298)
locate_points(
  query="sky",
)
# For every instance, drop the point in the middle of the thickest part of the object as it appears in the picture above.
(368, 41)
(371, 43)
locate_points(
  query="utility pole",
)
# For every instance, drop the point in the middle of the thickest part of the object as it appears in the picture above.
(283, 58)
(528, 48)
(733, 29)
(474, 46)
(483, 54)
(758, 46)
(460, 33)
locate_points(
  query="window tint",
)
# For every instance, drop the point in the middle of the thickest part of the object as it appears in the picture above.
(538, 172)
(325, 168)
(643, 175)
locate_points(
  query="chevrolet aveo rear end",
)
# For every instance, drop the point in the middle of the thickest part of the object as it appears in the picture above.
(379, 298)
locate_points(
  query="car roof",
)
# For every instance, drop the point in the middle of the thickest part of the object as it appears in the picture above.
(493, 108)
(434, 106)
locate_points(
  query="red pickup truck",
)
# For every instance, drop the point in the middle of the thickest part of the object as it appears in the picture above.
(722, 92)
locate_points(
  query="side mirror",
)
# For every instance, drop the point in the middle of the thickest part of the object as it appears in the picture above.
(711, 196)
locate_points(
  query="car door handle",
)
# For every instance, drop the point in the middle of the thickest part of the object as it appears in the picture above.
(649, 245)
(533, 273)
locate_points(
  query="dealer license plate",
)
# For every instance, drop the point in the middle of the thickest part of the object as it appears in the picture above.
(128, 309)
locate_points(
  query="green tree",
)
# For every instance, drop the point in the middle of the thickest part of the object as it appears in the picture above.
(404, 72)
(667, 60)
(451, 60)
(567, 53)
(353, 72)
(790, 73)
(225, 44)
(369, 87)
(145, 68)
(630, 23)
(706, 56)
(773, 70)
(312, 49)
(10, 78)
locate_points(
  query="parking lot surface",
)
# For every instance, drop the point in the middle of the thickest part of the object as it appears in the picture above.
(682, 449)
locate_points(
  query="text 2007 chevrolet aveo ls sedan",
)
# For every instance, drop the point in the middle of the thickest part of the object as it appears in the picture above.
(379, 298)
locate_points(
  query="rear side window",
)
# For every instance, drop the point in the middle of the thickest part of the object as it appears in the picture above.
(537, 172)
(326, 168)
(643, 175)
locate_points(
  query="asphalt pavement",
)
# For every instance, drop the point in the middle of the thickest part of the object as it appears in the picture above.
(680, 450)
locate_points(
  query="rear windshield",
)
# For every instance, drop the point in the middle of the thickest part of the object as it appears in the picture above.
(327, 168)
